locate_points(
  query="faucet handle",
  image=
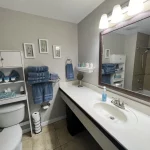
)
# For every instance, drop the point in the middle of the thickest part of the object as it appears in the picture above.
(122, 104)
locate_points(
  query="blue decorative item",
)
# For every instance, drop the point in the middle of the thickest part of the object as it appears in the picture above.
(2, 76)
(14, 76)
(4, 95)
(6, 79)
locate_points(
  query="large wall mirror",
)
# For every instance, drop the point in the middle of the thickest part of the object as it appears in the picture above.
(125, 58)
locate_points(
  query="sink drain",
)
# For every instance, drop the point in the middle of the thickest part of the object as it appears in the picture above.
(112, 118)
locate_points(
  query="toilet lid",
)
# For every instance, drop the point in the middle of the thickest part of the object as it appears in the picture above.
(10, 137)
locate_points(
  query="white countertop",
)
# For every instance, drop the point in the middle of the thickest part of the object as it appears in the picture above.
(134, 136)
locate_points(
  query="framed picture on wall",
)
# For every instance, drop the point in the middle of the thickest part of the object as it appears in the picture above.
(107, 53)
(29, 50)
(56, 51)
(43, 46)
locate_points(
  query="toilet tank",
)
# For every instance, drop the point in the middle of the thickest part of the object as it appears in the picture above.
(11, 114)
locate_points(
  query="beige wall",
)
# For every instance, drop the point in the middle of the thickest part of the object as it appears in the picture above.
(88, 37)
(17, 28)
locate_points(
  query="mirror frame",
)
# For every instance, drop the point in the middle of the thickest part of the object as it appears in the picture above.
(133, 20)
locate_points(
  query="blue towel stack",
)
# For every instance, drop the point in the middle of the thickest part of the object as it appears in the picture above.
(42, 89)
(38, 74)
(108, 68)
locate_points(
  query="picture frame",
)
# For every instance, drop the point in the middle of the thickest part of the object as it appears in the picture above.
(29, 50)
(107, 53)
(43, 46)
(56, 51)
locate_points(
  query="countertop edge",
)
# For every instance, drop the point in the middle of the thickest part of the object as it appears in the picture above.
(104, 131)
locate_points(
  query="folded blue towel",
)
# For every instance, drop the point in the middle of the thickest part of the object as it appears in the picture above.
(109, 68)
(37, 78)
(39, 74)
(37, 69)
(42, 92)
(38, 81)
(54, 76)
(69, 72)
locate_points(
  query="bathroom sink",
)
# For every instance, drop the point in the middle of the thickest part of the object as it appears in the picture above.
(114, 114)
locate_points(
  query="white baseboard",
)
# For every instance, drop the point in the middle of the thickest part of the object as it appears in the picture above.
(45, 123)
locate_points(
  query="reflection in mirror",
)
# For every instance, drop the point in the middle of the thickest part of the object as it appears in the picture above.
(126, 57)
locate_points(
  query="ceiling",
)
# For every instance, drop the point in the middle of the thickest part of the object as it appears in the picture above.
(66, 10)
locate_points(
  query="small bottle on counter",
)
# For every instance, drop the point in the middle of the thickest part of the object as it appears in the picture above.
(104, 95)
(79, 64)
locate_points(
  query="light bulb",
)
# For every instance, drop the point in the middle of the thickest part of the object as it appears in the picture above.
(117, 14)
(135, 7)
(103, 22)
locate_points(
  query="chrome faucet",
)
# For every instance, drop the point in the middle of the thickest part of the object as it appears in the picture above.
(117, 102)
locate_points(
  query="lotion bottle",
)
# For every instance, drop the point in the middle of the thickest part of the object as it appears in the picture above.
(104, 95)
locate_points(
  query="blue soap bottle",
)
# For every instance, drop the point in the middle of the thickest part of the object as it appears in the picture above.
(104, 95)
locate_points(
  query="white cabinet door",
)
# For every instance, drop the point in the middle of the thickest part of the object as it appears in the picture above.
(11, 59)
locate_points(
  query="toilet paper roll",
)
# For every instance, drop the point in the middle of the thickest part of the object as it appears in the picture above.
(37, 132)
(37, 123)
(39, 128)
(36, 116)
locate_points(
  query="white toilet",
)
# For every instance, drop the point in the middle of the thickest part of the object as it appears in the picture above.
(10, 117)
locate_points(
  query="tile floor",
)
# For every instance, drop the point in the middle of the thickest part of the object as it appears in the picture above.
(56, 137)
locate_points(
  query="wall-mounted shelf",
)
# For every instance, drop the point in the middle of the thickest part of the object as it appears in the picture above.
(84, 69)
(11, 82)
(17, 98)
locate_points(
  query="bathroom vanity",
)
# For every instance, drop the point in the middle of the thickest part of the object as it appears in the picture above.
(113, 128)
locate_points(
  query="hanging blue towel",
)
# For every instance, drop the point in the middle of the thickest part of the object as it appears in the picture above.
(37, 69)
(69, 72)
(37, 93)
(39, 74)
(48, 92)
(42, 92)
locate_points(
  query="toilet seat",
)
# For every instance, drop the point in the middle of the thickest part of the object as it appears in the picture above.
(10, 137)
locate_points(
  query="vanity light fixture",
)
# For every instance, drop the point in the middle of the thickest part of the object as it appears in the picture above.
(135, 7)
(103, 24)
(117, 15)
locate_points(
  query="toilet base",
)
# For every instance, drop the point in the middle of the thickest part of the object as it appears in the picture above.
(19, 147)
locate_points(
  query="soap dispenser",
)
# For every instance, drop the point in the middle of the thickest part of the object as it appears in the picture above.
(104, 94)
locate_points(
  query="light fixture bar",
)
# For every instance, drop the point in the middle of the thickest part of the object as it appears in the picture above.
(124, 9)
